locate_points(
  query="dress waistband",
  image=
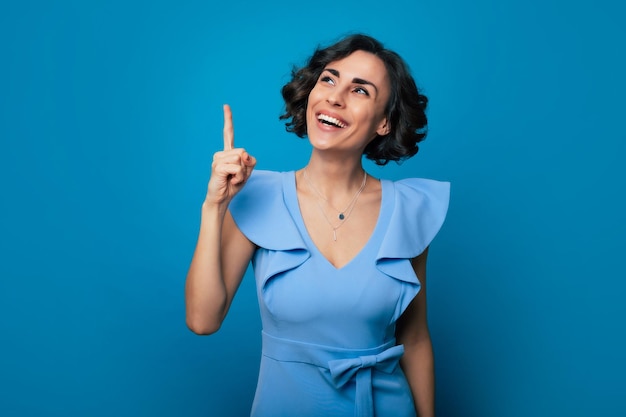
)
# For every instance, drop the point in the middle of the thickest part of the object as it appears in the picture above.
(343, 364)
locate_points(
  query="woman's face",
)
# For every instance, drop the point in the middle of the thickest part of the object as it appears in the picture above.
(346, 107)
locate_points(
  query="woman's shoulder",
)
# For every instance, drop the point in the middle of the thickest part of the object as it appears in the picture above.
(425, 194)
(261, 186)
(420, 207)
(424, 186)
(265, 178)
(260, 212)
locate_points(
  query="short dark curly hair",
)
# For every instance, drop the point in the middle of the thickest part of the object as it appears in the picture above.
(405, 110)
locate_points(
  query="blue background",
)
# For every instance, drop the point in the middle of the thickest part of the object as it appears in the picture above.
(110, 112)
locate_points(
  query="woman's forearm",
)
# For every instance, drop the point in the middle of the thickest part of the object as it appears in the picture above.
(205, 290)
(418, 366)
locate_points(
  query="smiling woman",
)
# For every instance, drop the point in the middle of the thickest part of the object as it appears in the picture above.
(342, 291)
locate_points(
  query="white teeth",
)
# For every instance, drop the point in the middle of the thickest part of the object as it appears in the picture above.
(331, 120)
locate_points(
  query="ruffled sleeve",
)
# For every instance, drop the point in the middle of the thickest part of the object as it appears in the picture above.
(260, 212)
(420, 207)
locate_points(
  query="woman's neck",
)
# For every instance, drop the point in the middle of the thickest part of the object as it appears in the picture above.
(335, 176)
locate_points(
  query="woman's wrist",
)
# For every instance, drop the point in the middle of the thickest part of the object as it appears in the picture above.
(210, 209)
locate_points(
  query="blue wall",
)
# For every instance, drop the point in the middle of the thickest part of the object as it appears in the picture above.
(110, 112)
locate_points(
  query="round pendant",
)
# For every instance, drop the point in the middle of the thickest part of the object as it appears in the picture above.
(341, 216)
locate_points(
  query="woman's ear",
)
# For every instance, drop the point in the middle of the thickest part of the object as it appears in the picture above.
(383, 128)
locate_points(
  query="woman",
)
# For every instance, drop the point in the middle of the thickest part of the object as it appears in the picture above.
(339, 256)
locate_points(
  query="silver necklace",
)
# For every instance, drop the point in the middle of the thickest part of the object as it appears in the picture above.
(343, 214)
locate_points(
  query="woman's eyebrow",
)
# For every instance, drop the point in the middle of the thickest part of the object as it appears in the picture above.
(354, 80)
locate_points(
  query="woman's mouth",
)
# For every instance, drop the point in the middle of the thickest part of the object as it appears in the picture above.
(331, 121)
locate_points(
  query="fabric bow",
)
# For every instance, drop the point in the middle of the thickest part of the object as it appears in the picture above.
(343, 370)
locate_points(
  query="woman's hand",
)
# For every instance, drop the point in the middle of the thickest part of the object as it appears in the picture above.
(231, 167)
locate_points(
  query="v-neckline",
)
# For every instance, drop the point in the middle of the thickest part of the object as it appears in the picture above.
(293, 205)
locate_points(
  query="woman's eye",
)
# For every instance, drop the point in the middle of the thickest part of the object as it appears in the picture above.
(327, 79)
(361, 90)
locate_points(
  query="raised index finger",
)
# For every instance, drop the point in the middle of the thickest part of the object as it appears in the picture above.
(229, 133)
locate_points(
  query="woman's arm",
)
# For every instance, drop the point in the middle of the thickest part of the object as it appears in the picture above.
(222, 252)
(417, 361)
(219, 262)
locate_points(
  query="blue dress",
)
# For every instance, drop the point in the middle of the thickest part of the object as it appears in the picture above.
(328, 335)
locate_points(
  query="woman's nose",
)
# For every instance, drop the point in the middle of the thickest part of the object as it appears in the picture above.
(335, 99)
